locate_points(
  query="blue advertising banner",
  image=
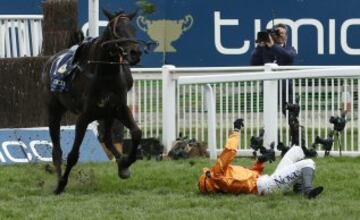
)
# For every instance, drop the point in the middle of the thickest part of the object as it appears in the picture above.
(222, 33)
(26, 145)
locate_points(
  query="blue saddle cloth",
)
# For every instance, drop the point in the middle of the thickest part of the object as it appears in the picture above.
(62, 71)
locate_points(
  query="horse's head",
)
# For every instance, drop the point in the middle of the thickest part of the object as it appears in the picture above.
(122, 42)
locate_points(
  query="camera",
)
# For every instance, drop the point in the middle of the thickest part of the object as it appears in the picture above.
(326, 143)
(149, 147)
(263, 36)
(283, 148)
(238, 123)
(267, 154)
(338, 121)
(256, 143)
(294, 109)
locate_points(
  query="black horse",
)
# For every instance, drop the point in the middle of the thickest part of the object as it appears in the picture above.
(97, 92)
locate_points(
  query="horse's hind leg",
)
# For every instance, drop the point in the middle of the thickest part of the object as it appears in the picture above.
(73, 156)
(108, 139)
(55, 111)
(126, 117)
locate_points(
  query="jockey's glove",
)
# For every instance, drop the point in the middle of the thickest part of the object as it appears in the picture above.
(238, 124)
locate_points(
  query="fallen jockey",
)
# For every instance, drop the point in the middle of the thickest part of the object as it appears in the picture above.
(292, 171)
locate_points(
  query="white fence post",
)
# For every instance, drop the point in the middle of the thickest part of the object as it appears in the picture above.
(93, 18)
(270, 108)
(211, 110)
(169, 107)
(2, 40)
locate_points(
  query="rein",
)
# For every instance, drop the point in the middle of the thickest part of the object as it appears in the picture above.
(121, 61)
(120, 41)
(107, 62)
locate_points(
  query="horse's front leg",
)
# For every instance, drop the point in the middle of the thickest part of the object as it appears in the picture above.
(125, 116)
(73, 156)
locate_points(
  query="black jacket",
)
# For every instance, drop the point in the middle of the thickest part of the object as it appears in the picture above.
(276, 54)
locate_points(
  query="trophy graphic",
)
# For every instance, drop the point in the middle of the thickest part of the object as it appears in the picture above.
(164, 32)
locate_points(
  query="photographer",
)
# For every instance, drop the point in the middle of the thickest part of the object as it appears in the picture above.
(272, 48)
(292, 170)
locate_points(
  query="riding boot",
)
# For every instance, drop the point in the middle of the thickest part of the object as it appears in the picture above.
(307, 178)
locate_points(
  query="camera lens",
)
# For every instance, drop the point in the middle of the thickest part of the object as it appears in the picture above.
(332, 119)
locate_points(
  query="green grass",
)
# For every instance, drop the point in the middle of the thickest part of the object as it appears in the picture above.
(168, 190)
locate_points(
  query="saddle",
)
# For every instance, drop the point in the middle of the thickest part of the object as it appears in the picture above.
(65, 67)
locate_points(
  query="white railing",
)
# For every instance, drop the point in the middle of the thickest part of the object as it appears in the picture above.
(20, 35)
(321, 89)
(146, 101)
(322, 79)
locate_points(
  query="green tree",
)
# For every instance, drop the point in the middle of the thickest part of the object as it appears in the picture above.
(146, 6)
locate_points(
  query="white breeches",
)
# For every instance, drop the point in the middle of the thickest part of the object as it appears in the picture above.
(286, 173)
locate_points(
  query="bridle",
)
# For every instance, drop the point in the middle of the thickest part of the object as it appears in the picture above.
(113, 24)
(117, 41)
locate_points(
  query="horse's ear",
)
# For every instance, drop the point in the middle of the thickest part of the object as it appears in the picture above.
(133, 14)
(108, 14)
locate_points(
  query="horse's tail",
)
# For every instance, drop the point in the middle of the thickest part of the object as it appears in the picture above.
(45, 78)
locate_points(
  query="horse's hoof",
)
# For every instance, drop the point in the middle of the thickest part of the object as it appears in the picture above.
(124, 173)
(60, 187)
(58, 190)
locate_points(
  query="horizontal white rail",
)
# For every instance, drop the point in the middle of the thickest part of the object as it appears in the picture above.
(40, 17)
(278, 75)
